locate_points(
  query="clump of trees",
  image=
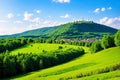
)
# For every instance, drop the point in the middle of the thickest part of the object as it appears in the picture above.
(9, 44)
(11, 65)
(96, 46)
(106, 42)
(117, 38)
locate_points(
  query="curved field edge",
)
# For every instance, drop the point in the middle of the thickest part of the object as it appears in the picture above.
(40, 47)
(101, 59)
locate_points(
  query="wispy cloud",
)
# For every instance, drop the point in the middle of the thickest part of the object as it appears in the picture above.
(36, 20)
(103, 9)
(98, 10)
(48, 23)
(38, 11)
(114, 22)
(28, 16)
(109, 8)
(18, 22)
(65, 16)
(62, 1)
(10, 15)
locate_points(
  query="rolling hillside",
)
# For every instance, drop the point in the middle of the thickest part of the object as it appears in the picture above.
(79, 29)
(88, 64)
(40, 47)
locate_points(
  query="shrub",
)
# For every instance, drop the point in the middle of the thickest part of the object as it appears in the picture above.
(60, 47)
(117, 38)
(96, 46)
(107, 42)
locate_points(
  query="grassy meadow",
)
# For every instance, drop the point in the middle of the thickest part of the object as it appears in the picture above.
(86, 67)
(40, 47)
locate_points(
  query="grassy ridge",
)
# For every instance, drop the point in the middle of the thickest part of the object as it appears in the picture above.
(86, 63)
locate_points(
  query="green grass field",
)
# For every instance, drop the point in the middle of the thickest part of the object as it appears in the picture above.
(85, 64)
(38, 48)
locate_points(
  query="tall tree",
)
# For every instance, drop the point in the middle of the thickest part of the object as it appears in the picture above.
(107, 41)
(96, 46)
(117, 38)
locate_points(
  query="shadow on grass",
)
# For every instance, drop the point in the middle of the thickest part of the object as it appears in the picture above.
(20, 75)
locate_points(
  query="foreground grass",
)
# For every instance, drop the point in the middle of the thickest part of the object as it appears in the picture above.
(114, 75)
(71, 70)
(40, 47)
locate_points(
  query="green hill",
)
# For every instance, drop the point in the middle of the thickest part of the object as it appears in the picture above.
(79, 29)
(99, 66)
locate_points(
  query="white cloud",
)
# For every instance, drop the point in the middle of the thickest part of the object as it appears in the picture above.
(97, 10)
(18, 22)
(109, 8)
(113, 22)
(103, 20)
(10, 15)
(36, 20)
(28, 16)
(103, 9)
(38, 11)
(65, 16)
(46, 22)
(62, 1)
(6, 30)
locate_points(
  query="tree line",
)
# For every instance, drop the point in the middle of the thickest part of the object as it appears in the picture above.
(106, 42)
(11, 65)
(9, 44)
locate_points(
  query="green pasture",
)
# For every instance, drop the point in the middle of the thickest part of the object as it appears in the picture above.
(85, 64)
(40, 47)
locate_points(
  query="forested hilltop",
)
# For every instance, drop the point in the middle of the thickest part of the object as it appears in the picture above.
(72, 30)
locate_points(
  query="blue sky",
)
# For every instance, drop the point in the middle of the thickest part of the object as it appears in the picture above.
(21, 15)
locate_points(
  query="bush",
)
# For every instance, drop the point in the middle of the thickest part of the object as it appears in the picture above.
(96, 46)
(107, 41)
(60, 47)
(117, 38)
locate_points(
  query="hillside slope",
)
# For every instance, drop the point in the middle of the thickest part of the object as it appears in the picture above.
(85, 64)
(79, 29)
(74, 29)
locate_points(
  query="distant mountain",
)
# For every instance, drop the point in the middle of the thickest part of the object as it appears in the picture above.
(78, 29)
